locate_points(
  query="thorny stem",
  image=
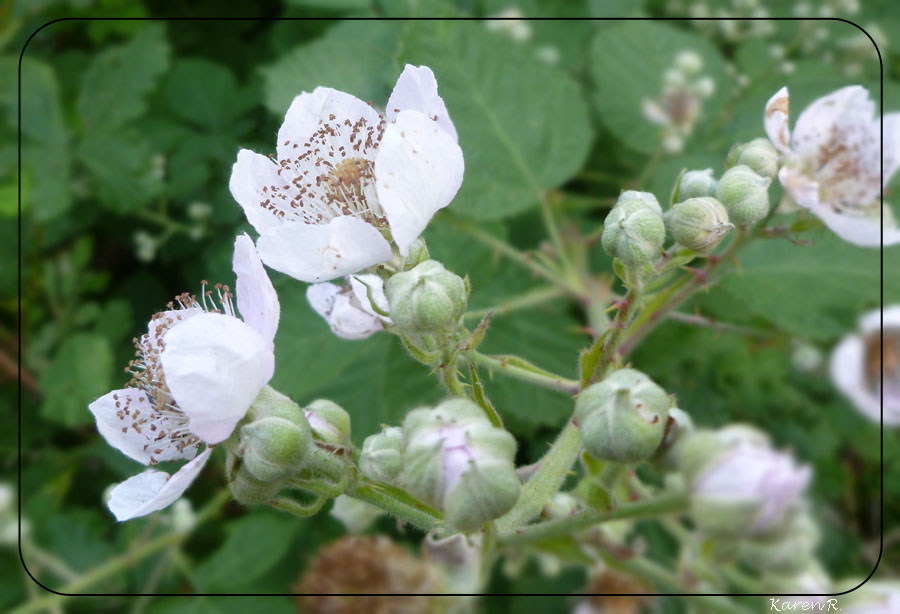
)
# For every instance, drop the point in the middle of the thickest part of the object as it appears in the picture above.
(545, 380)
(679, 292)
(120, 563)
(616, 330)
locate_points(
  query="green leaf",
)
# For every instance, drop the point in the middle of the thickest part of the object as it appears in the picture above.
(115, 85)
(355, 57)
(523, 125)
(816, 291)
(203, 92)
(255, 544)
(80, 372)
(627, 64)
(42, 118)
(122, 168)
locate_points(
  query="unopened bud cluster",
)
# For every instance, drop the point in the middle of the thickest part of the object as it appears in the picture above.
(277, 441)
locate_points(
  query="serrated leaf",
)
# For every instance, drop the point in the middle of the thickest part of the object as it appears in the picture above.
(523, 125)
(255, 544)
(122, 169)
(80, 372)
(115, 85)
(627, 65)
(203, 92)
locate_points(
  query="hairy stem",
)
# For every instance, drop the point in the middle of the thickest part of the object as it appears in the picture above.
(546, 481)
(405, 508)
(665, 504)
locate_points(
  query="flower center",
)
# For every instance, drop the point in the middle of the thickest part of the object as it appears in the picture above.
(330, 174)
(166, 426)
(350, 189)
(885, 375)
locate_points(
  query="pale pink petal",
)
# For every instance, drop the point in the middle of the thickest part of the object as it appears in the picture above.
(858, 230)
(252, 179)
(363, 286)
(215, 365)
(153, 490)
(127, 421)
(315, 253)
(256, 297)
(348, 321)
(417, 90)
(309, 112)
(775, 120)
(828, 117)
(418, 170)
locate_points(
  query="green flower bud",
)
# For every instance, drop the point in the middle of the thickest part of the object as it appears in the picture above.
(623, 418)
(745, 194)
(562, 505)
(457, 461)
(790, 552)
(248, 490)
(695, 184)
(426, 299)
(759, 154)
(274, 448)
(699, 223)
(328, 421)
(634, 231)
(382, 455)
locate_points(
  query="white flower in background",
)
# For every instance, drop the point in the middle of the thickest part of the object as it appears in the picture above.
(347, 309)
(348, 181)
(833, 161)
(511, 22)
(873, 597)
(750, 481)
(198, 369)
(857, 369)
(677, 109)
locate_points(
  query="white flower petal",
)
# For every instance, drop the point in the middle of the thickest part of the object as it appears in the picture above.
(860, 231)
(418, 170)
(309, 111)
(871, 321)
(215, 365)
(891, 123)
(827, 118)
(321, 297)
(348, 321)
(775, 120)
(256, 298)
(848, 374)
(118, 429)
(251, 179)
(417, 90)
(362, 285)
(153, 490)
(319, 253)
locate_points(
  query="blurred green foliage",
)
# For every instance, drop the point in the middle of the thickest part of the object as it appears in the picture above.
(129, 130)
